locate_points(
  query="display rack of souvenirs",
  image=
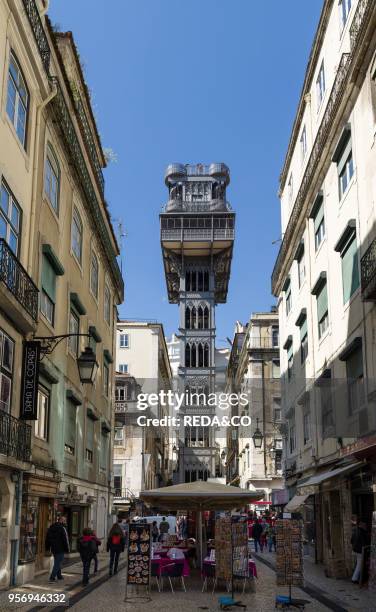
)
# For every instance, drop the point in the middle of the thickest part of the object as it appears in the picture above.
(139, 555)
(289, 546)
(372, 559)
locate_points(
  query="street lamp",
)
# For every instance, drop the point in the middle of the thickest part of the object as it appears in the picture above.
(87, 366)
(257, 436)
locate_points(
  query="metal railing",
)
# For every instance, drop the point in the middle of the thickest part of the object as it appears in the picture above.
(123, 494)
(198, 234)
(263, 343)
(368, 267)
(15, 437)
(17, 280)
(74, 148)
(32, 12)
(360, 21)
(89, 141)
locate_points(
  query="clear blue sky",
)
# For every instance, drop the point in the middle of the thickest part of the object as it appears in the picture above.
(193, 81)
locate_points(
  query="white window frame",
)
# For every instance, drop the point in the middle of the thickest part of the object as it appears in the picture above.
(107, 303)
(303, 143)
(344, 8)
(19, 102)
(77, 223)
(123, 368)
(52, 177)
(120, 340)
(320, 85)
(41, 425)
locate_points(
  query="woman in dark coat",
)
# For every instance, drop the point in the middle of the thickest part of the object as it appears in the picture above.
(87, 547)
(115, 545)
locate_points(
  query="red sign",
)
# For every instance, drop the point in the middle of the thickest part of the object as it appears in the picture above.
(358, 445)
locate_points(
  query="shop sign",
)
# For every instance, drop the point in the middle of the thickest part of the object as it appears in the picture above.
(358, 445)
(29, 381)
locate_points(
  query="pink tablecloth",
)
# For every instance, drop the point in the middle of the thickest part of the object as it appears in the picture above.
(162, 561)
(251, 567)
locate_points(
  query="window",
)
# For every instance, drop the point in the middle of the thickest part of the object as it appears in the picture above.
(94, 275)
(276, 372)
(74, 328)
(355, 380)
(306, 427)
(275, 336)
(10, 217)
(123, 368)
(288, 299)
(303, 341)
(17, 99)
(77, 235)
(303, 143)
(52, 179)
(124, 341)
(344, 159)
(104, 451)
(6, 371)
(48, 293)
(350, 266)
(277, 412)
(41, 424)
(292, 437)
(106, 379)
(107, 304)
(344, 10)
(320, 85)
(290, 361)
(319, 226)
(322, 309)
(290, 189)
(301, 267)
(70, 428)
(326, 404)
(119, 436)
(345, 175)
(117, 479)
(89, 440)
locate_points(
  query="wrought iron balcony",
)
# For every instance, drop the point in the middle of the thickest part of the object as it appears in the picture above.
(89, 141)
(69, 133)
(368, 273)
(123, 494)
(32, 12)
(360, 21)
(198, 234)
(17, 280)
(197, 207)
(15, 437)
(263, 343)
(335, 97)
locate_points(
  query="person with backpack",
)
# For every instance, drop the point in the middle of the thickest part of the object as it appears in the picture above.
(98, 543)
(115, 545)
(87, 547)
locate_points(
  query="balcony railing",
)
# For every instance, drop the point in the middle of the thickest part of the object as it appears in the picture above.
(17, 280)
(123, 494)
(89, 141)
(32, 12)
(198, 234)
(207, 206)
(74, 148)
(368, 272)
(360, 21)
(15, 437)
(263, 343)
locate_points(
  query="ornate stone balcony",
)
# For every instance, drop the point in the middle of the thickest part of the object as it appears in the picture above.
(368, 273)
(32, 12)
(18, 293)
(15, 437)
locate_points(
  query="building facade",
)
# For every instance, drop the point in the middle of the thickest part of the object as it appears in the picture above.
(59, 276)
(324, 280)
(141, 454)
(254, 370)
(197, 234)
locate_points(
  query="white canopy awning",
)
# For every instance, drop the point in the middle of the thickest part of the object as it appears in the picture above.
(319, 478)
(295, 503)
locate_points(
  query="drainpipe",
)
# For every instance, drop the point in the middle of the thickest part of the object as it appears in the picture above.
(40, 107)
(15, 544)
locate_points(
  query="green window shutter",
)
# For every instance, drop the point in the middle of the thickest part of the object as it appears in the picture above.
(89, 434)
(303, 329)
(322, 302)
(104, 450)
(289, 352)
(48, 279)
(70, 424)
(350, 268)
(319, 217)
(354, 364)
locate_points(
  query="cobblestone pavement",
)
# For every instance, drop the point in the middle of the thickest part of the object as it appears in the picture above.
(107, 594)
(343, 594)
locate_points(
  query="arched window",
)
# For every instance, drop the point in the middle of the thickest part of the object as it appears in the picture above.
(200, 317)
(206, 281)
(17, 99)
(193, 318)
(200, 355)
(193, 281)
(206, 318)
(187, 318)
(187, 356)
(200, 281)
(206, 356)
(52, 178)
(188, 281)
(193, 356)
(77, 235)
(94, 275)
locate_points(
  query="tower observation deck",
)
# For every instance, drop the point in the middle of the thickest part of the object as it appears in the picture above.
(197, 233)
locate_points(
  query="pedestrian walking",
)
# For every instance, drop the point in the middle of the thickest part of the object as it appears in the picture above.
(256, 534)
(271, 537)
(154, 531)
(359, 540)
(164, 528)
(95, 558)
(58, 544)
(87, 547)
(115, 545)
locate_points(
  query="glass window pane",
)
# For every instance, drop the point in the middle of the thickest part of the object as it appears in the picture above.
(3, 228)
(21, 122)
(11, 100)
(8, 350)
(15, 216)
(4, 199)
(13, 241)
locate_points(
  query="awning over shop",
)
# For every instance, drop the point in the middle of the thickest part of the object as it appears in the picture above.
(320, 478)
(295, 503)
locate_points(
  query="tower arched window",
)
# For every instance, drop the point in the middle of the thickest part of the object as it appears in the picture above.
(193, 318)
(200, 317)
(200, 281)
(193, 356)
(206, 318)
(206, 281)
(187, 355)
(193, 281)
(187, 318)
(206, 355)
(200, 355)
(188, 280)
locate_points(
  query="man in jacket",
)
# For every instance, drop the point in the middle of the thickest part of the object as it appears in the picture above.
(164, 527)
(256, 533)
(57, 542)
